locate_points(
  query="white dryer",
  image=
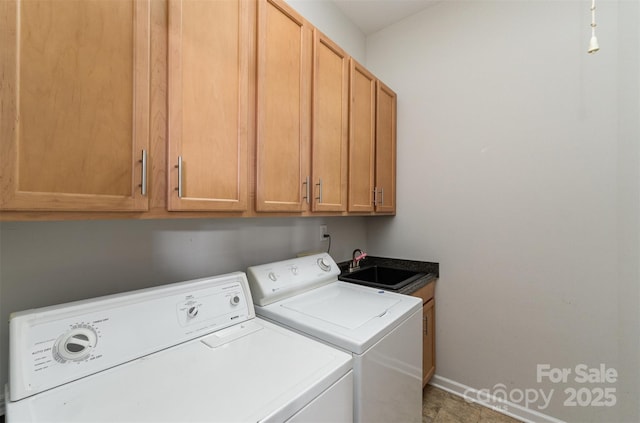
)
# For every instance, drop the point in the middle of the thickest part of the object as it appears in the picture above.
(186, 352)
(381, 329)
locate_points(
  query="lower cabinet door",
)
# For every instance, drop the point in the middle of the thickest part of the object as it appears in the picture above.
(428, 341)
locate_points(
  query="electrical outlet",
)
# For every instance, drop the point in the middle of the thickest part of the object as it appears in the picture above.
(324, 233)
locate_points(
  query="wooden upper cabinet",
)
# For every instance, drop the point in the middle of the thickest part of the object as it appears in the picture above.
(210, 47)
(385, 196)
(74, 95)
(362, 116)
(330, 136)
(283, 109)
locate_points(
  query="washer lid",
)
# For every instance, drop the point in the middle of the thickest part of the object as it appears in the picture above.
(351, 317)
(343, 307)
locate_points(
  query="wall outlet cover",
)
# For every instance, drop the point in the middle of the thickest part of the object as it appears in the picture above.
(324, 233)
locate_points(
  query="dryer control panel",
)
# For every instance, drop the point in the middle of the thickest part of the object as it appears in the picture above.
(55, 345)
(275, 281)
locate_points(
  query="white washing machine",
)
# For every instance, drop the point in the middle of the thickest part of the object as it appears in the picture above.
(381, 329)
(186, 352)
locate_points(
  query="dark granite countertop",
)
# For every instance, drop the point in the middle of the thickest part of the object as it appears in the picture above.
(431, 270)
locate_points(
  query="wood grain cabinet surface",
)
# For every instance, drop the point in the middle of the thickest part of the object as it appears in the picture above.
(372, 143)
(75, 110)
(283, 109)
(186, 108)
(385, 195)
(330, 137)
(362, 118)
(208, 104)
(428, 331)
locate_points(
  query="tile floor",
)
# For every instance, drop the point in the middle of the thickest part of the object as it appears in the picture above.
(439, 406)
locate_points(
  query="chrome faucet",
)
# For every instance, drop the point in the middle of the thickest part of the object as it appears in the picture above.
(357, 255)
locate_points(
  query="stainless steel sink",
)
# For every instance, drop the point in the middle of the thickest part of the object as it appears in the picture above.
(382, 277)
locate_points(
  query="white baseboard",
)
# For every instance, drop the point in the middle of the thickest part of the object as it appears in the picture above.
(505, 407)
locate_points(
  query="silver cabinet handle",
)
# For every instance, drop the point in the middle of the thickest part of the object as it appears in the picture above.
(319, 185)
(306, 189)
(375, 196)
(179, 167)
(143, 182)
(381, 196)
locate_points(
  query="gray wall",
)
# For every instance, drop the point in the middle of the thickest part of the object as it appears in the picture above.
(518, 170)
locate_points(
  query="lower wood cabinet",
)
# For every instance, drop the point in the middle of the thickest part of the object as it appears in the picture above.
(428, 331)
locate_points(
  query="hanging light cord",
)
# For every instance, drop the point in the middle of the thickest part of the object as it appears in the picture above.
(593, 42)
(593, 18)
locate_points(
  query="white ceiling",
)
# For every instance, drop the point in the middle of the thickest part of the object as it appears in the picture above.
(373, 15)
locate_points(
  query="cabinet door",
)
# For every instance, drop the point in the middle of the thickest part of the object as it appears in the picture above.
(209, 71)
(75, 104)
(283, 109)
(385, 196)
(329, 142)
(428, 341)
(361, 138)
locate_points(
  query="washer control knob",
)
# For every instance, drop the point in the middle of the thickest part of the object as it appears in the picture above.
(192, 311)
(75, 345)
(235, 300)
(324, 264)
(273, 276)
(294, 270)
